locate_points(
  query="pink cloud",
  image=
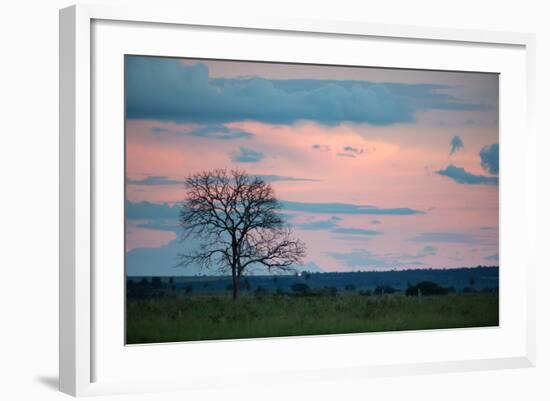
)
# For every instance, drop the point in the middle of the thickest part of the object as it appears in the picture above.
(394, 169)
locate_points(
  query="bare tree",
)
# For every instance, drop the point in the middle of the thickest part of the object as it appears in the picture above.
(236, 218)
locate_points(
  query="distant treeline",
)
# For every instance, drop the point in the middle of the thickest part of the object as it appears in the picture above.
(411, 282)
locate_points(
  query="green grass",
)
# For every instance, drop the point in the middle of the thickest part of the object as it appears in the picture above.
(204, 317)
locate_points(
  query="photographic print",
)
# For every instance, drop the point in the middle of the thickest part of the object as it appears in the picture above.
(277, 199)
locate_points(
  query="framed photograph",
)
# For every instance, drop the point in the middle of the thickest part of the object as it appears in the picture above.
(302, 199)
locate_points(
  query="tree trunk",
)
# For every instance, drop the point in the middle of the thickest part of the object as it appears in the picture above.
(236, 289)
(236, 284)
(234, 267)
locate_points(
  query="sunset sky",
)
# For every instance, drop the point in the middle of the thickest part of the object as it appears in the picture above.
(377, 169)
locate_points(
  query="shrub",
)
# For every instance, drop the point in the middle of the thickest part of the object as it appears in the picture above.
(349, 287)
(260, 291)
(300, 288)
(156, 282)
(332, 291)
(384, 289)
(427, 288)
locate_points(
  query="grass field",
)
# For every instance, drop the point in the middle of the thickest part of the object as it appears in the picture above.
(207, 317)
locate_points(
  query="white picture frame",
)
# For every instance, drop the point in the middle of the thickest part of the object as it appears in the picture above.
(79, 153)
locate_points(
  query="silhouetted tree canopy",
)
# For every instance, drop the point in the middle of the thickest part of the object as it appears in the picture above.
(236, 218)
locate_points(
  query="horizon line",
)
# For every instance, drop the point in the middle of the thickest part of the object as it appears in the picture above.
(346, 272)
